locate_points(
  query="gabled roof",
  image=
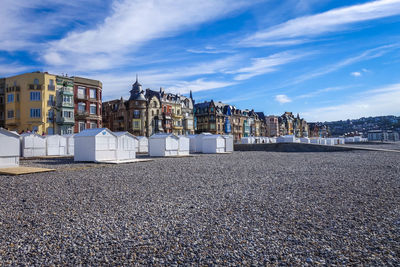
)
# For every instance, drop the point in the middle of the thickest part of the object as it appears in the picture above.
(9, 133)
(163, 135)
(118, 134)
(93, 132)
(34, 134)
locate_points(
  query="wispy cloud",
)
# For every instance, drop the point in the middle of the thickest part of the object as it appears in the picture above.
(131, 25)
(366, 55)
(282, 99)
(380, 101)
(325, 90)
(265, 65)
(298, 29)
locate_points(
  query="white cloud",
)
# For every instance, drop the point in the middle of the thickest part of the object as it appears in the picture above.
(377, 102)
(265, 65)
(366, 55)
(282, 99)
(356, 74)
(326, 22)
(325, 90)
(132, 24)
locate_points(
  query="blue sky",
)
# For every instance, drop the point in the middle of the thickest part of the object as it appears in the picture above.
(327, 60)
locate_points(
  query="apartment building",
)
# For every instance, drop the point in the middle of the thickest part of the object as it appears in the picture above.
(87, 103)
(30, 102)
(65, 117)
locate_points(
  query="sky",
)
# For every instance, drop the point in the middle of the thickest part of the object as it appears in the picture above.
(325, 59)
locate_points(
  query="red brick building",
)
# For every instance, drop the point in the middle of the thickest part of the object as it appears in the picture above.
(87, 103)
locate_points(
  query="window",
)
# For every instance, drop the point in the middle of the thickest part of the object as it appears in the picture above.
(81, 92)
(67, 99)
(10, 98)
(152, 113)
(1, 100)
(10, 114)
(50, 131)
(82, 126)
(36, 81)
(35, 96)
(51, 100)
(165, 109)
(81, 107)
(93, 108)
(93, 93)
(1, 115)
(51, 115)
(136, 114)
(67, 114)
(136, 125)
(93, 125)
(51, 85)
(17, 97)
(35, 113)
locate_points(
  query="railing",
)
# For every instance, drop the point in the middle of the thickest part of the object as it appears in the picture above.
(35, 87)
(80, 96)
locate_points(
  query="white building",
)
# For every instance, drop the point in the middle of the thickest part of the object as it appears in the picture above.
(163, 145)
(95, 145)
(10, 149)
(248, 140)
(228, 143)
(212, 144)
(56, 145)
(70, 144)
(199, 142)
(32, 145)
(143, 145)
(184, 145)
(126, 146)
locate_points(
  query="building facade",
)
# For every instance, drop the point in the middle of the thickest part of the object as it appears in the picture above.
(29, 102)
(65, 117)
(272, 126)
(87, 103)
(149, 112)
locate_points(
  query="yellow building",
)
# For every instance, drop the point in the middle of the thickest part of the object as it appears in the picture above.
(30, 102)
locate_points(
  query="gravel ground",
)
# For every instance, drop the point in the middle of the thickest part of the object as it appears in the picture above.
(244, 208)
(378, 145)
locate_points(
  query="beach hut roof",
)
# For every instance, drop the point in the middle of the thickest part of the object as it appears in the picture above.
(163, 135)
(118, 134)
(93, 132)
(9, 133)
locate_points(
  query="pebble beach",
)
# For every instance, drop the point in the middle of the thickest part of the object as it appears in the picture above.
(244, 208)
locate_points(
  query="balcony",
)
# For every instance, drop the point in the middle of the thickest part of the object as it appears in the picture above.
(177, 116)
(177, 127)
(66, 91)
(65, 104)
(35, 87)
(65, 120)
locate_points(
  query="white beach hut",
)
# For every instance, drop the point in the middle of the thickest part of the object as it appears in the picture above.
(70, 144)
(286, 139)
(340, 141)
(305, 140)
(213, 144)
(228, 143)
(272, 140)
(248, 140)
(33, 145)
(184, 145)
(143, 144)
(199, 142)
(56, 145)
(95, 145)
(349, 140)
(330, 141)
(314, 141)
(192, 143)
(163, 145)
(126, 146)
(10, 149)
(322, 141)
